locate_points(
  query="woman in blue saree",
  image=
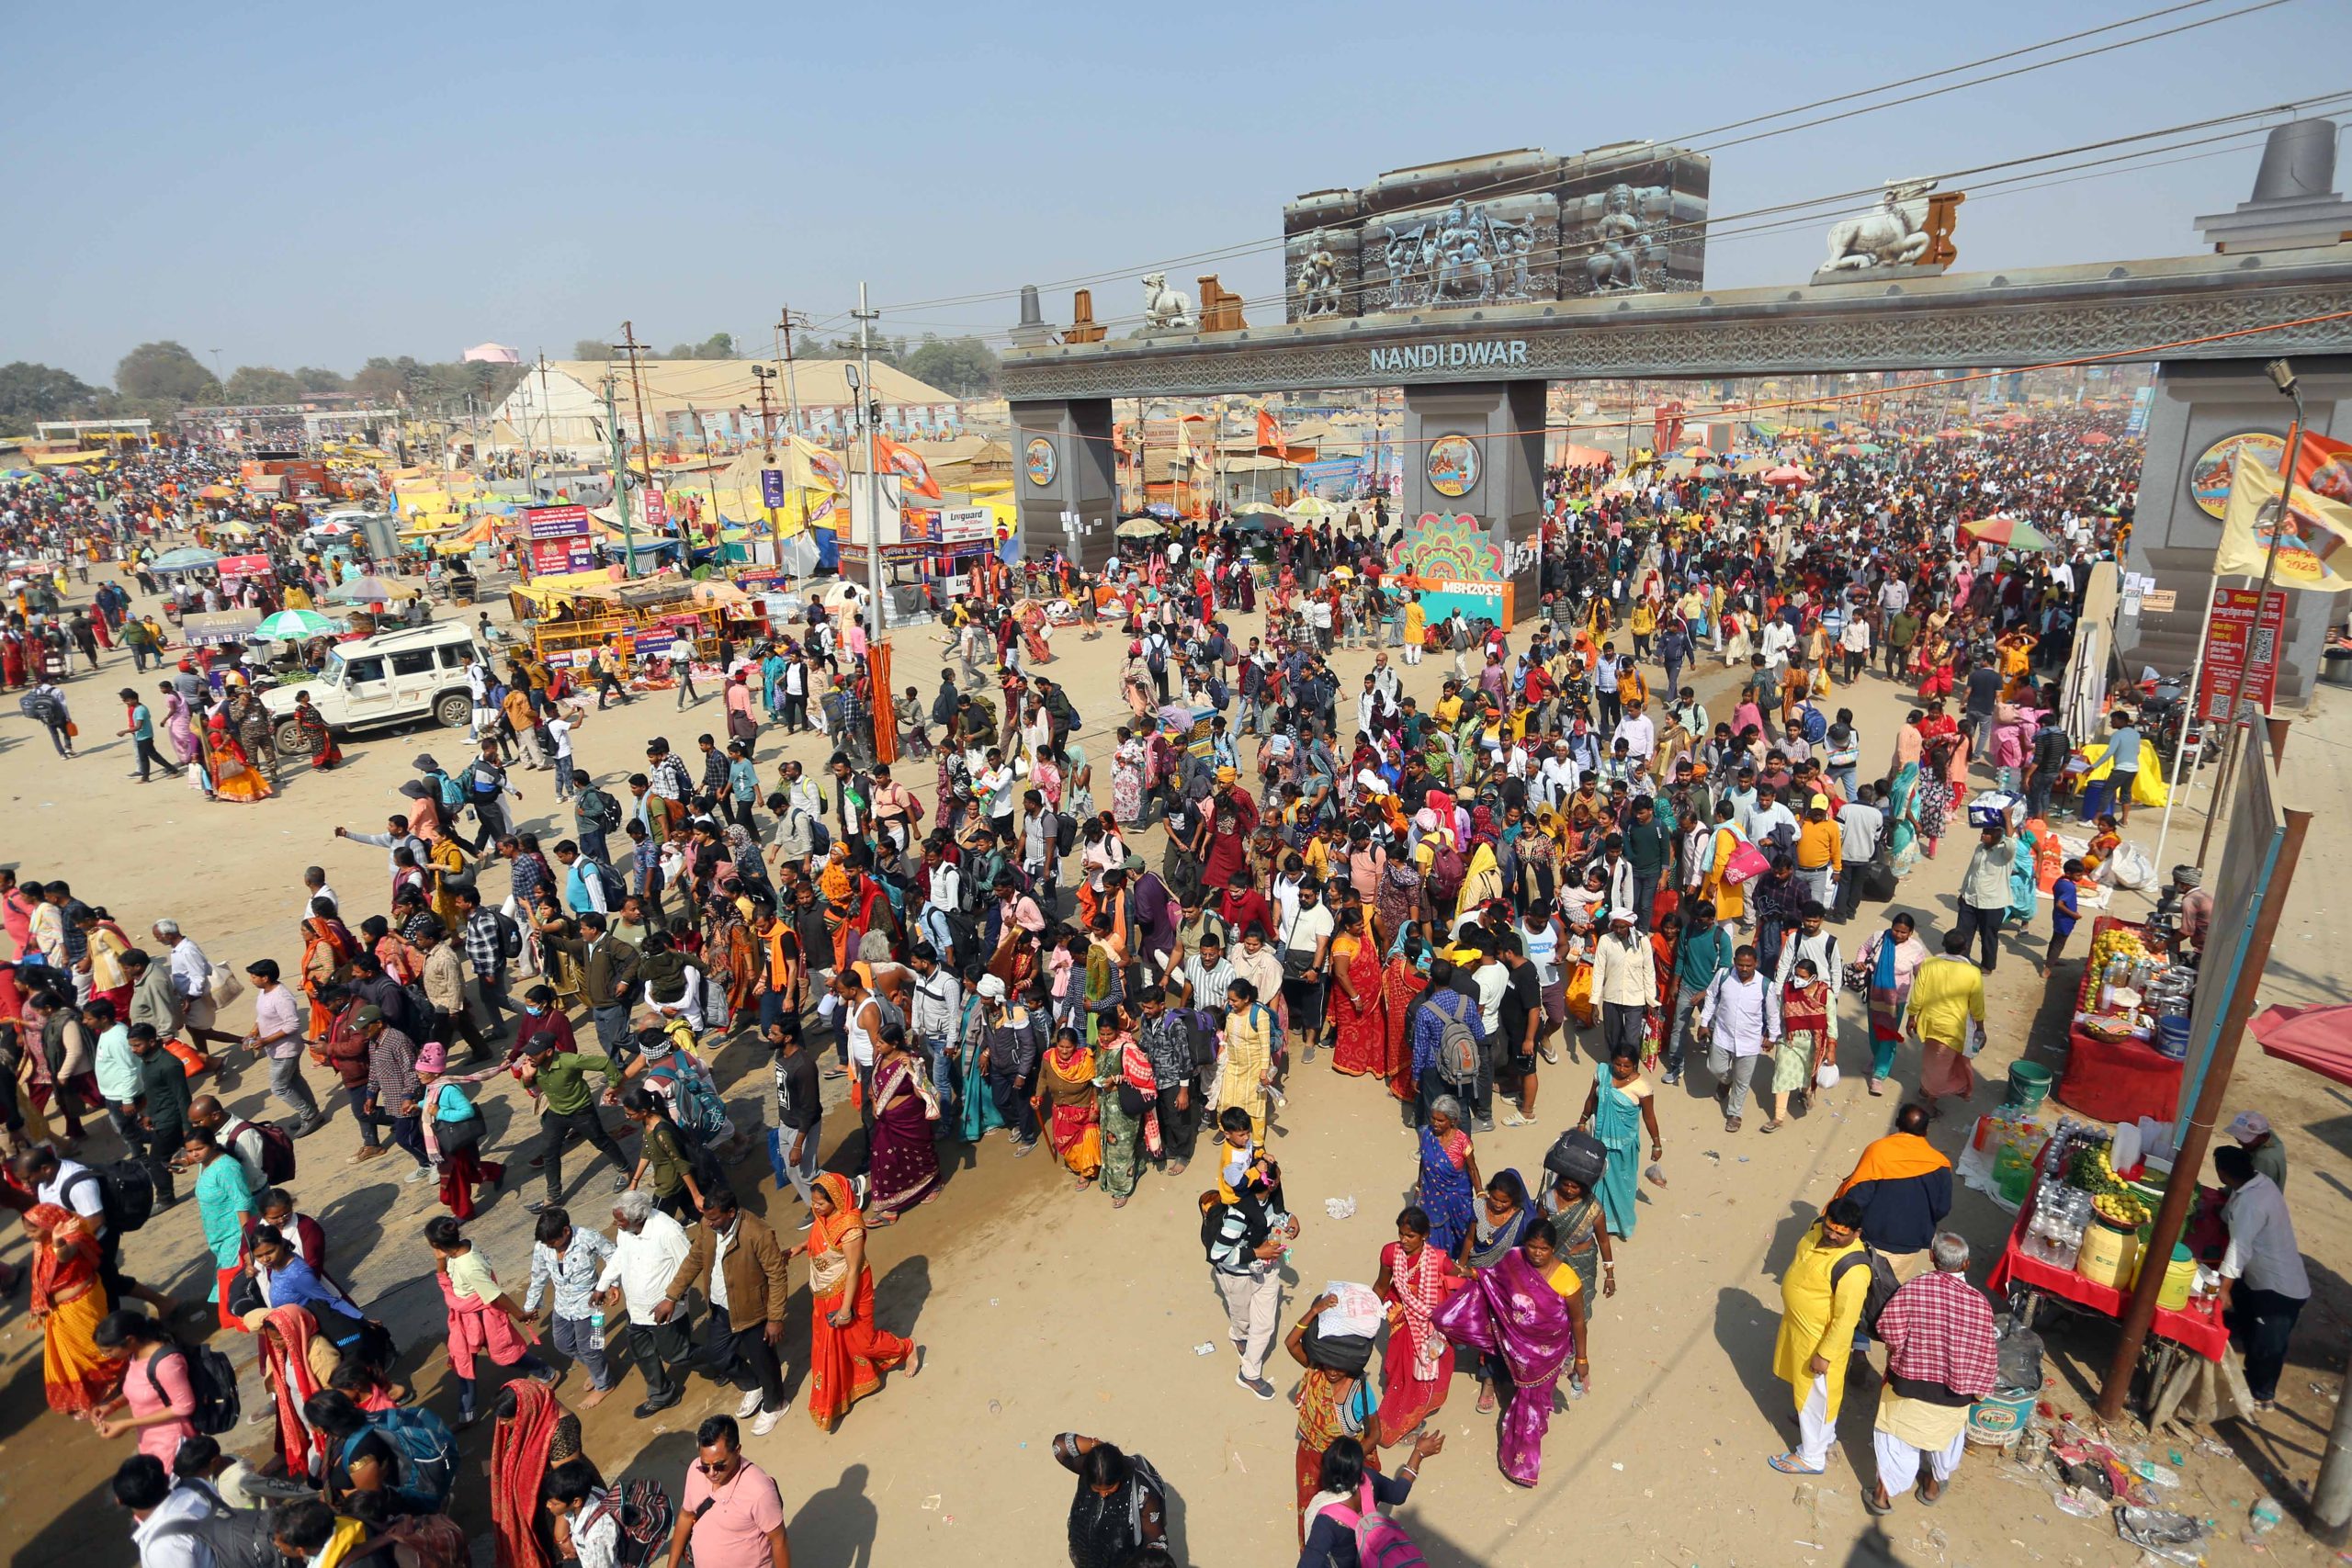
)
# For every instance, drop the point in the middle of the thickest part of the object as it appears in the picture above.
(1903, 811)
(1448, 1175)
(1616, 1110)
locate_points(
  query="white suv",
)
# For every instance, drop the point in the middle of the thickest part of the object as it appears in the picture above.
(393, 678)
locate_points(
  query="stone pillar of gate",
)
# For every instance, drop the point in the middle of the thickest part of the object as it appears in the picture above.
(1499, 424)
(1064, 472)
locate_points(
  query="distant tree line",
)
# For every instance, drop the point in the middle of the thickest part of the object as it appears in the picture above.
(156, 380)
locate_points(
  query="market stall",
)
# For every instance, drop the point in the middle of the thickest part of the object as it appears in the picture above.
(2084, 1230)
(2131, 1000)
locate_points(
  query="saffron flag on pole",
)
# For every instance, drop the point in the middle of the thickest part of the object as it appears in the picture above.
(914, 473)
(2315, 530)
(2324, 467)
(1269, 433)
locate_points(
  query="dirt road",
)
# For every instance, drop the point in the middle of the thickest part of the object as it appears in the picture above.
(1044, 1311)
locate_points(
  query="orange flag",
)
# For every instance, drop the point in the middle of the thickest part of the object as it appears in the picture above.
(914, 473)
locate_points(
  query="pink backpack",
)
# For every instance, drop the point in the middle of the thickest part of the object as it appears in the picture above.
(1380, 1542)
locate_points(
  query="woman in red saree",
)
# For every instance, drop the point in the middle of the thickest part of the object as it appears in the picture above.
(68, 1299)
(316, 737)
(1417, 1368)
(1360, 1044)
(1664, 941)
(288, 1337)
(1399, 984)
(847, 1354)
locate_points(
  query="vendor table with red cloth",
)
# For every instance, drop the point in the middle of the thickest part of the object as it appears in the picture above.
(2114, 1081)
(2197, 1326)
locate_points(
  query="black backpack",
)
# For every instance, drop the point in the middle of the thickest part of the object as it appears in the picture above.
(212, 1381)
(597, 809)
(1065, 831)
(1884, 1284)
(126, 1194)
(510, 935)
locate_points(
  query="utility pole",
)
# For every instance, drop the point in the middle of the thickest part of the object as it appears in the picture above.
(786, 322)
(530, 458)
(629, 345)
(547, 419)
(762, 375)
(869, 414)
(621, 467)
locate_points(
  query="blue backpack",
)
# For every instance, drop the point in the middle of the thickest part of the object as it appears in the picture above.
(428, 1454)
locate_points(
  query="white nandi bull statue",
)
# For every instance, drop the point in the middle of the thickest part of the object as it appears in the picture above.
(1163, 307)
(1895, 235)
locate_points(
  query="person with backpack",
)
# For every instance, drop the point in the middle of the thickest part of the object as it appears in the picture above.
(158, 1390)
(1121, 1509)
(109, 1203)
(1821, 1306)
(486, 788)
(1341, 1525)
(596, 814)
(188, 1526)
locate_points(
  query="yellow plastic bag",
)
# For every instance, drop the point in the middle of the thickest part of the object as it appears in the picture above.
(1580, 997)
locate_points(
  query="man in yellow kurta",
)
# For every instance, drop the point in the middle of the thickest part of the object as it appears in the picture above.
(1947, 995)
(1821, 1306)
(1416, 620)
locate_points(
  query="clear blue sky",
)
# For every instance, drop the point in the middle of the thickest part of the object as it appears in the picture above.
(313, 185)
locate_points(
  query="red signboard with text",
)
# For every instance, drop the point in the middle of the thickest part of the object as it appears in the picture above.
(2240, 653)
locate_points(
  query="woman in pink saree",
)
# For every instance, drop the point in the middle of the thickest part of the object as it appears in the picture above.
(1525, 1316)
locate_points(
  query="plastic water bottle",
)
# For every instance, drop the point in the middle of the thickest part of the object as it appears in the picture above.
(2264, 1517)
(597, 1329)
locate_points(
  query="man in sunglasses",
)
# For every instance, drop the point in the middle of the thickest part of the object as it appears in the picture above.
(730, 1512)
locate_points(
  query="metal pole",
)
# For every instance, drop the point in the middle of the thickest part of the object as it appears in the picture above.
(644, 447)
(620, 459)
(2189, 1157)
(2262, 594)
(2180, 747)
(869, 409)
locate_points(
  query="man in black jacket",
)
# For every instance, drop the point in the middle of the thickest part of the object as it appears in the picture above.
(1903, 1186)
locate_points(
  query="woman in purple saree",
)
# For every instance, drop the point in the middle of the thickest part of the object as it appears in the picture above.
(1526, 1318)
(905, 1160)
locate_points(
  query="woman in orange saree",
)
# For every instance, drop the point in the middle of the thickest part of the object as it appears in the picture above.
(1360, 1044)
(67, 1301)
(328, 947)
(233, 777)
(847, 1354)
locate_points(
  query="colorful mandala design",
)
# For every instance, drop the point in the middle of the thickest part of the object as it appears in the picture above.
(1436, 546)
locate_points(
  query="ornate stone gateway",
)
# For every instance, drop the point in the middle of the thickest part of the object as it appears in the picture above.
(1475, 284)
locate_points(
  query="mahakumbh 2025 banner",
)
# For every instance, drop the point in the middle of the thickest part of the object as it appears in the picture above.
(2309, 538)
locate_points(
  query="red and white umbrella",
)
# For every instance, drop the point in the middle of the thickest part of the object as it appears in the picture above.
(1788, 474)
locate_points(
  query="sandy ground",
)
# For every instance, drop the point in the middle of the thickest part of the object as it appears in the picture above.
(1043, 1310)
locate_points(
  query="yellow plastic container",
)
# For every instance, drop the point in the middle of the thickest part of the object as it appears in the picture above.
(2181, 1273)
(2107, 1254)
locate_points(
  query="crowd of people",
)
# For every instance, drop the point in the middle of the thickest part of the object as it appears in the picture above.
(1560, 853)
